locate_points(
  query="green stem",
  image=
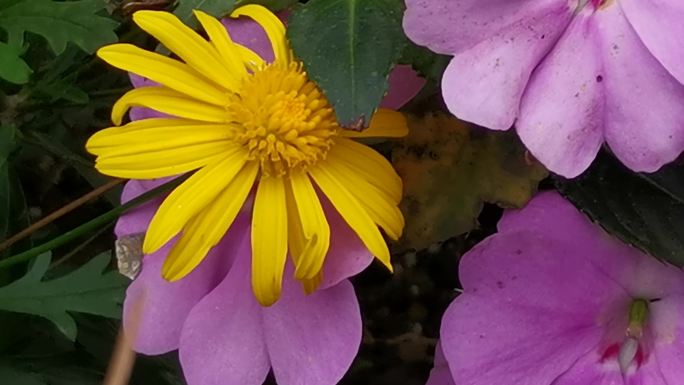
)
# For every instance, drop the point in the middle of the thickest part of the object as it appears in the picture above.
(102, 220)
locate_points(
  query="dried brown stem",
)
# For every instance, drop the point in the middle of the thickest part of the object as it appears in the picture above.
(123, 357)
(59, 213)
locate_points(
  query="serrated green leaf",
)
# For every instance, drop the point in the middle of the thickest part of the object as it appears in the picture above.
(645, 210)
(59, 22)
(12, 67)
(450, 169)
(86, 290)
(348, 48)
(428, 64)
(216, 8)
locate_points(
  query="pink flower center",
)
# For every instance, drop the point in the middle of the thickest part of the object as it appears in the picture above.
(630, 350)
(598, 4)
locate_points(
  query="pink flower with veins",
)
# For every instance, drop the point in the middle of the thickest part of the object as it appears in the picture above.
(570, 74)
(551, 299)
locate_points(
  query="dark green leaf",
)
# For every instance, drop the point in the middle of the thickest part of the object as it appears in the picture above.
(59, 22)
(349, 48)
(11, 375)
(85, 290)
(12, 204)
(216, 8)
(12, 67)
(645, 210)
(429, 65)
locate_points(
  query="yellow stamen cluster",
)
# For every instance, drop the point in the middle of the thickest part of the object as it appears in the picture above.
(282, 118)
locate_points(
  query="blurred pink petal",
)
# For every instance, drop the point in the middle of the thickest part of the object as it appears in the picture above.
(404, 84)
(440, 374)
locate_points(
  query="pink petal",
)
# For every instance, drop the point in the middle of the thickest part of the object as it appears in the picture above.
(530, 269)
(553, 217)
(667, 315)
(493, 343)
(522, 319)
(659, 26)
(454, 26)
(347, 255)
(138, 81)
(222, 341)
(440, 374)
(312, 339)
(404, 84)
(167, 304)
(136, 220)
(245, 31)
(140, 113)
(484, 84)
(645, 104)
(562, 110)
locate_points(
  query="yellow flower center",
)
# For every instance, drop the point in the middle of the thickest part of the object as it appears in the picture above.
(282, 118)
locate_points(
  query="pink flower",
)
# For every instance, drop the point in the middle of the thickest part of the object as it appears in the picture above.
(223, 335)
(211, 316)
(551, 299)
(570, 74)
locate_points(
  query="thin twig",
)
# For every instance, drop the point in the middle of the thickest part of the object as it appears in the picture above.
(59, 213)
(80, 247)
(89, 226)
(123, 357)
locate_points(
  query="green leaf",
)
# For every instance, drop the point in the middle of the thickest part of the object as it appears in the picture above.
(428, 64)
(450, 169)
(11, 375)
(216, 8)
(349, 48)
(59, 22)
(12, 67)
(13, 211)
(86, 290)
(645, 210)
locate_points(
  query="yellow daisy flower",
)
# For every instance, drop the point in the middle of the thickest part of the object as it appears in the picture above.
(240, 121)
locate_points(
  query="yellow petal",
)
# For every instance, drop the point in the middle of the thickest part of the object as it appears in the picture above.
(155, 134)
(269, 240)
(188, 45)
(163, 70)
(352, 211)
(310, 285)
(385, 123)
(190, 197)
(369, 164)
(273, 27)
(228, 51)
(167, 101)
(313, 225)
(208, 227)
(250, 57)
(160, 164)
(381, 208)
